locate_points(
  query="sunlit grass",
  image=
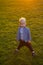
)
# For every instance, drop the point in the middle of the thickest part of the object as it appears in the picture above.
(10, 12)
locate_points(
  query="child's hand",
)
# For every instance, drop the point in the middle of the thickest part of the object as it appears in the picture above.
(29, 41)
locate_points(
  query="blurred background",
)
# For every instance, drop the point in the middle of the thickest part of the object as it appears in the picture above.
(10, 12)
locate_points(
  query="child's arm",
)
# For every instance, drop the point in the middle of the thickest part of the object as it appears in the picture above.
(18, 35)
(29, 36)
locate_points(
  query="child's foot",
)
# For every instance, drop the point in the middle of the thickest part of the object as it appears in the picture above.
(16, 51)
(33, 53)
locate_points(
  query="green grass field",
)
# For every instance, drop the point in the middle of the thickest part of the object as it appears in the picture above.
(10, 12)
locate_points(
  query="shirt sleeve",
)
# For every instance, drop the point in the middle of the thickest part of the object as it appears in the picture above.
(29, 35)
(18, 35)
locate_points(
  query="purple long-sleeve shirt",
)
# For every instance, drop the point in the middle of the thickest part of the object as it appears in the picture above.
(26, 36)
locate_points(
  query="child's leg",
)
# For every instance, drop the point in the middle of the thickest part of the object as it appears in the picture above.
(21, 44)
(30, 47)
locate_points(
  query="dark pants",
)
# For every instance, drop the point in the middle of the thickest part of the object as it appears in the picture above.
(27, 44)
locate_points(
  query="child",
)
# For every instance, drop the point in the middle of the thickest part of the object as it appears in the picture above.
(23, 36)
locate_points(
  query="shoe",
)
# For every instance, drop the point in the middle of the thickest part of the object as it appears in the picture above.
(16, 51)
(33, 54)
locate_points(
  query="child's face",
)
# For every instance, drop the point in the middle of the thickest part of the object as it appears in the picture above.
(22, 24)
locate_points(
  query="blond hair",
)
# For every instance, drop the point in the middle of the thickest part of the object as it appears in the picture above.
(22, 19)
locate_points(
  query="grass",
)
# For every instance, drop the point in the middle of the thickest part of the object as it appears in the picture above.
(10, 12)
